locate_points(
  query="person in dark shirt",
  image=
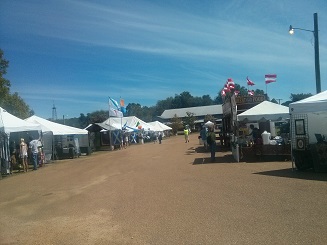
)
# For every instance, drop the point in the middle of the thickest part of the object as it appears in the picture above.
(211, 140)
(254, 133)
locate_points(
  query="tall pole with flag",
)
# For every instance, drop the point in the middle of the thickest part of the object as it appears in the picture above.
(250, 83)
(270, 78)
(114, 110)
(109, 124)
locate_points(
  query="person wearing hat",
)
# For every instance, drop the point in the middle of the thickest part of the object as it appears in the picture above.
(23, 154)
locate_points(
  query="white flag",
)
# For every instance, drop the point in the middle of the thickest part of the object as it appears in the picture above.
(114, 109)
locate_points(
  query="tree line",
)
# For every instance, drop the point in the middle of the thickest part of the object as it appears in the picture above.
(15, 105)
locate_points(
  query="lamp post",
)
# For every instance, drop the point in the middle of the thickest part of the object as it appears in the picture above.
(316, 45)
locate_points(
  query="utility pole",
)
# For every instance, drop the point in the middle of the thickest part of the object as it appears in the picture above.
(279, 100)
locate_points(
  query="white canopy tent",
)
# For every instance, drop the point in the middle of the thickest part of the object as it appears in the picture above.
(55, 128)
(52, 129)
(159, 127)
(314, 103)
(314, 110)
(14, 128)
(11, 124)
(131, 123)
(265, 111)
(309, 132)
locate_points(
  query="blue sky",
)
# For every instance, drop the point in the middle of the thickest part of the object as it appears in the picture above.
(77, 53)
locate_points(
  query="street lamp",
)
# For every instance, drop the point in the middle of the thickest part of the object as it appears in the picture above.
(316, 45)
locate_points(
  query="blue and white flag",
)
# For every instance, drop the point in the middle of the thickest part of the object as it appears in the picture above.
(114, 108)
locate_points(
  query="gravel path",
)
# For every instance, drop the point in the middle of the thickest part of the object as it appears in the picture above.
(163, 194)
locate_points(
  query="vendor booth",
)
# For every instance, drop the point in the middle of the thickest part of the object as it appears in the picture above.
(111, 132)
(263, 130)
(62, 141)
(309, 132)
(14, 129)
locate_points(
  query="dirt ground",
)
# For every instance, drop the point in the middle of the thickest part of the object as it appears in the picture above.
(165, 193)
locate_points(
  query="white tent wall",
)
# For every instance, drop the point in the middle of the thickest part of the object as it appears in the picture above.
(4, 153)
(15, 129)
(313, 108)
(309, 132)
(47, 141)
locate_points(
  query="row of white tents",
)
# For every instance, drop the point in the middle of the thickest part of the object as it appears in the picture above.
(131, 124)
(12, 129)
(114, 128)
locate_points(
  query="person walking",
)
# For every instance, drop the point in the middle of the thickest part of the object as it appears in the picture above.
(160, 137)
(126, 140)
(186, 134)
(211, 140)
(23, 154)
(35, 152)
(203, 135)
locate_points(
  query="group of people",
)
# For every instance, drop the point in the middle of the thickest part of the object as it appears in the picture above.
(20, 154)
(124, 142)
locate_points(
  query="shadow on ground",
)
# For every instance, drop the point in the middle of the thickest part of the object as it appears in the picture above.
(293, 173)
(228, 158)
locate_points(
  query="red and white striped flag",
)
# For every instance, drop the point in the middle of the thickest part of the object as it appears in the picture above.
(249, 81)
(250, 92)
(230, 83)
(236, 92)
(270, 78)
(223, 93)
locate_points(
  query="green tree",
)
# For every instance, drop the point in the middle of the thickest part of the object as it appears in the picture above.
(274, 101)
(4, 83)
(206, 100)
(16, 106)
(209, 118)
(134, 109)
(176, 124)
(297, 97)
(97, 116)
(163, 105)
(83, 121)
(190, 119)
(13, 103)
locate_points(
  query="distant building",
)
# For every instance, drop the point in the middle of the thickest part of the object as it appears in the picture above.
(199, 113)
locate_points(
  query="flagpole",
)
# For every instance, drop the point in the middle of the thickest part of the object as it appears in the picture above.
(121, 124)
(109, 126)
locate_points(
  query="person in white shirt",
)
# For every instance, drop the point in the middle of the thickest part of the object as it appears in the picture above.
(23, 154)
(34, 151)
